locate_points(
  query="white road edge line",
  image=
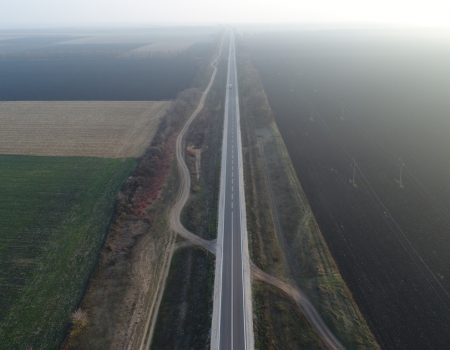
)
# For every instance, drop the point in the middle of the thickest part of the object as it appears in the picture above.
(246, 290)
(217, 301)
(217, 304)
(232, 265)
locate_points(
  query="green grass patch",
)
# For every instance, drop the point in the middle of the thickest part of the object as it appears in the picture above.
(184, 317)
(54, 214)
(278, 323)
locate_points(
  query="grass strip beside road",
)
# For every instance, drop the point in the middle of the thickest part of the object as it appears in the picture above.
(185, 313)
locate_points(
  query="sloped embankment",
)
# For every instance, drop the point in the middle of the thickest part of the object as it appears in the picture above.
(122, 290)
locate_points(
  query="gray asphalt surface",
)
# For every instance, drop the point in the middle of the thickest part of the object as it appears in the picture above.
(232, 319)
(233, 326)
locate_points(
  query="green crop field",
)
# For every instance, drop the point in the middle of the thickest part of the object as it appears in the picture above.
(54, 213)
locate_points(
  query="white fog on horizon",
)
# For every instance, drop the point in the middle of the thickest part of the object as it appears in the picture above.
(48, 13)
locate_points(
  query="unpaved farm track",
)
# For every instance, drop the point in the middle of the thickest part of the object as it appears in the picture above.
(293, 292)
(308, 310)
(185, 178)
(175, 213)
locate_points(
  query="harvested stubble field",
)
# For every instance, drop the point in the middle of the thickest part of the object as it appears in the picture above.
(95, 129)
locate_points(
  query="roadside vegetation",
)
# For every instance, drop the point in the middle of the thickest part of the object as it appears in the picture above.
(284, 237)
(54, 214)
(121, 296)
(203, 157)
(184, 320)
(276, 317)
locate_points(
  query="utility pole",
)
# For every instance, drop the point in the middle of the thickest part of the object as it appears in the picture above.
(353, 180)
(311, 116)
(400, 175)
(342, 112)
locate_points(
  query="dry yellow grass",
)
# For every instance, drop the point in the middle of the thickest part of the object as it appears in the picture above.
(97, 129)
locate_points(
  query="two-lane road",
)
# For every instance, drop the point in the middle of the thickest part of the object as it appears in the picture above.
(232, 316)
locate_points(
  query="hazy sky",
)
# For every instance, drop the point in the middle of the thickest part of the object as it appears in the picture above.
(88, 12)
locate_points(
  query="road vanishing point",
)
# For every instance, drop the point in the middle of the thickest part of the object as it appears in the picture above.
(232, 323)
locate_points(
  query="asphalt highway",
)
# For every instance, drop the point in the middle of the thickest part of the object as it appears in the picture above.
(234, 326)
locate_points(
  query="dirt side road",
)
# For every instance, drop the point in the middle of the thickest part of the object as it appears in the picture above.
(175, 212)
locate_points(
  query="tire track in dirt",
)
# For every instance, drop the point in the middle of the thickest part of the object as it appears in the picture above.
(302, 301)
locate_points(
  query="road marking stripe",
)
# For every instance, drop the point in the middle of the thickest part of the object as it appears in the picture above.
(221, 228)
(232, 116)
(232, 256)
(248, 322)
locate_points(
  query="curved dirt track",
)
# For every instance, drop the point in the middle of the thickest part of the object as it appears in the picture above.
(293, 292)
(175, 213)
(185, 177)
(308, 310)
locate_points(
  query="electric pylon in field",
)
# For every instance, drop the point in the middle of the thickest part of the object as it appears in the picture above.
(342, 112)
(353, 179)
(400, 175)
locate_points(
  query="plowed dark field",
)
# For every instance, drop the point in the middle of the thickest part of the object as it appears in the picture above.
(373, 108)
(106, 66)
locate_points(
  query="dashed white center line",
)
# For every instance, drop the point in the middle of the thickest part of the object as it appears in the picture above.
(232, 134)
